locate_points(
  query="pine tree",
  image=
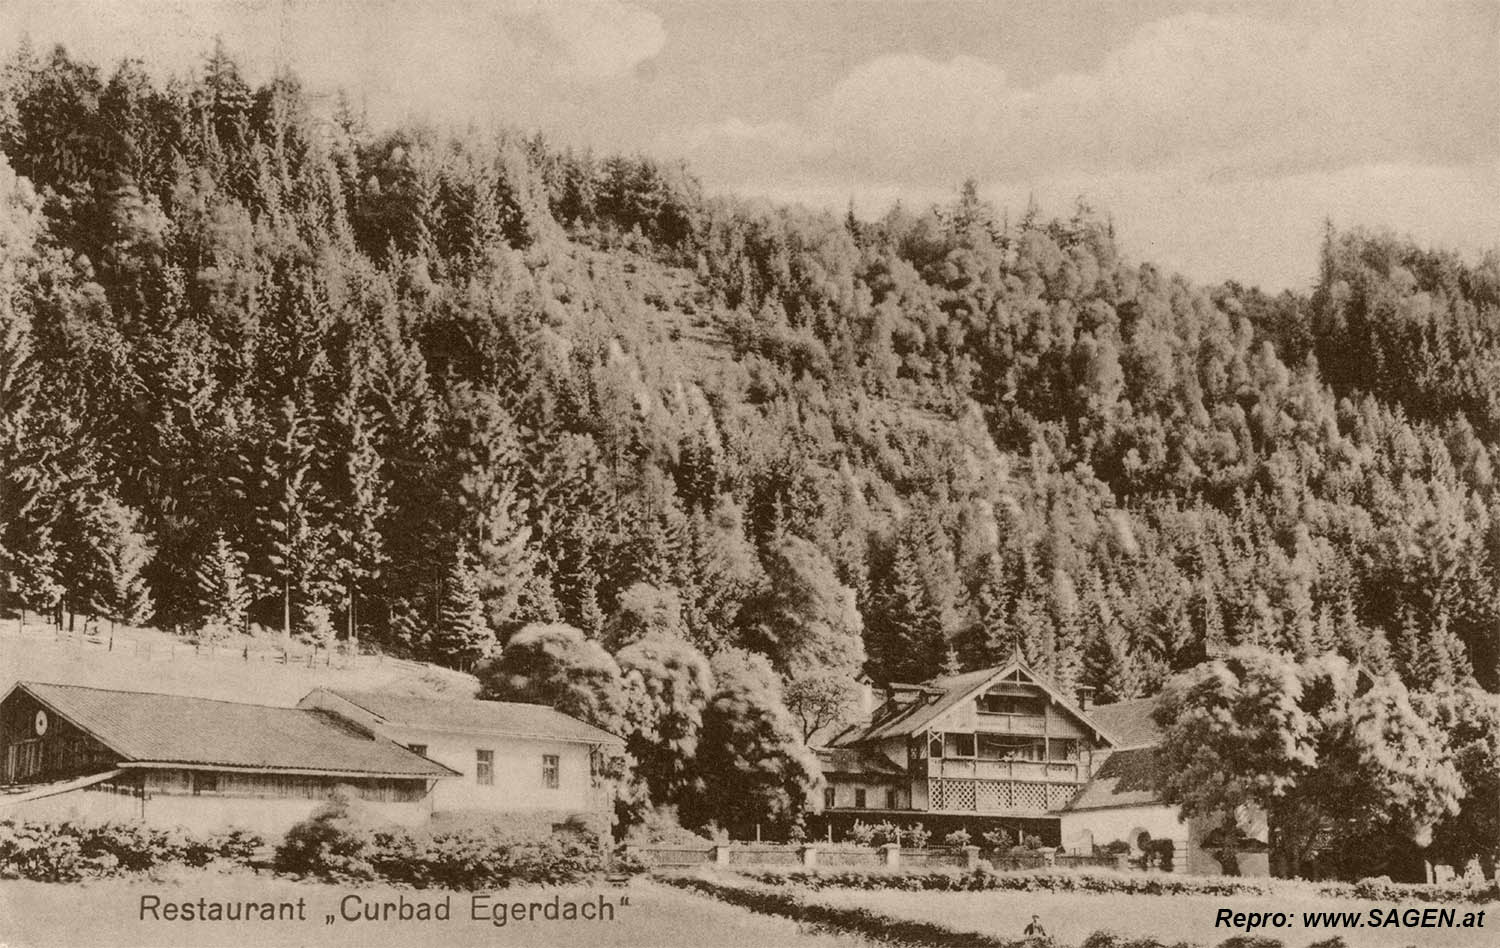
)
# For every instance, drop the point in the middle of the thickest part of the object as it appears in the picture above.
(361, 494)
(223, 595)
(906, 640)
(121, 593)
(994, 640)
(492, 510)
(290, 556)
(461, 635)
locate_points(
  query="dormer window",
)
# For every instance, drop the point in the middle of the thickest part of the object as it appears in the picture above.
(1012, 704)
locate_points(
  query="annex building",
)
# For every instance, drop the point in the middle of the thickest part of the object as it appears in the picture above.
(68, 752)
(1004, 747)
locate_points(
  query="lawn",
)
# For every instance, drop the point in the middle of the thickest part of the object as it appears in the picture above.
(1072, 917)
(33, 915)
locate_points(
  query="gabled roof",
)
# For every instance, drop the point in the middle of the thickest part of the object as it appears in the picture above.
(1129, 723)
(939, 695)
(856, 761)
(1126, 778)
(503, 718)
(160, 730)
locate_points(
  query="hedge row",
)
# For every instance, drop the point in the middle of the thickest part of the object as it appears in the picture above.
(982, 879)
(66, 852)
(332, 847)
(1056, 880)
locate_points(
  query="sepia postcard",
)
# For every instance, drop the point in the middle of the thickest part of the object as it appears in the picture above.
(763, 473)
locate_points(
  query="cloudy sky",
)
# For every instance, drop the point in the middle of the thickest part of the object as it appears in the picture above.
(1218, 134)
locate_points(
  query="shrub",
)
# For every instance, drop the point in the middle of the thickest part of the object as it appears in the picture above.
(862, 833)
(38, 852)
(1115, 847)
(998, 839)
(659, 826)
(1158, 853)
(915, 836)
(334, 847)
(64, 852)
(959, 837)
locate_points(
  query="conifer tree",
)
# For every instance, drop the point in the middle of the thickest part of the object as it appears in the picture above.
(120, 592)
(906, 640)
(461, 636)
(223, 594)
(360, 496)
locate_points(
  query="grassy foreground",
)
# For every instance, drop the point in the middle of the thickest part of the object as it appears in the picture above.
(39, 915)
(1071, 918)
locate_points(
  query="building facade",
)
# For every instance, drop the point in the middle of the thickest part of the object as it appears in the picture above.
(1004, 748)
(70, 752)
(998, 741)
(509, 757)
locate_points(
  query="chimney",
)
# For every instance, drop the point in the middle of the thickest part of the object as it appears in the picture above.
(866, 699)
(1085, 697)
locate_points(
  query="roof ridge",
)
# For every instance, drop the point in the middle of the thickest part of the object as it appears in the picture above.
(435, 700)
(162, 694)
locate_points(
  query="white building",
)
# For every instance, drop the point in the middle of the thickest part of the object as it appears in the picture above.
(509, 757)
(1120, 801)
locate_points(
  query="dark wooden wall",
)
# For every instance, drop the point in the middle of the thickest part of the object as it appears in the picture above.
(66, 750)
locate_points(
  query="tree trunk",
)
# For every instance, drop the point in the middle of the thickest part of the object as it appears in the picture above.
(286, 611)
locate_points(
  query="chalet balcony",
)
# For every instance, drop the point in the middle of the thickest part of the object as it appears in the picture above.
(1029, 724)
(957, 795)
(1031, 770)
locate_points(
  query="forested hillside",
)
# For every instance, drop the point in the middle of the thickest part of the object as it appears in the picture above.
(259, 362)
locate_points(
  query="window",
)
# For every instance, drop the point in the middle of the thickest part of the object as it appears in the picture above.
(828, 798)
(205, 782)
(1064, 749)
(892, 798)
(958, 745)
(859, 797)
(418, 749)
(935, 746)
(1006, 747)
(484, 768)
(1011, 704)
(549, 771)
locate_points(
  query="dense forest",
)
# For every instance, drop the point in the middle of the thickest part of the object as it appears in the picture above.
(262, 365)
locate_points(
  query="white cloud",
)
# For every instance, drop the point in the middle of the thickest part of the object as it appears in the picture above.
(1218, 141)
(1248, 94)
(449, 58)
